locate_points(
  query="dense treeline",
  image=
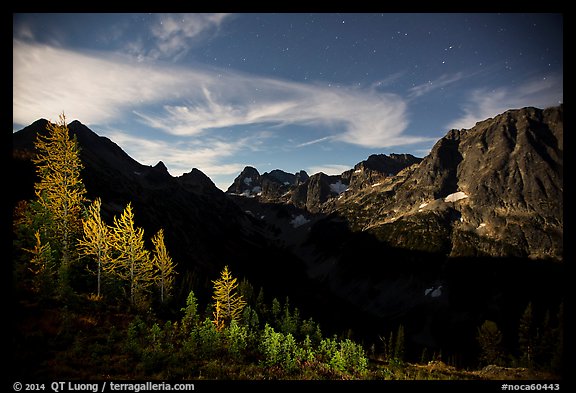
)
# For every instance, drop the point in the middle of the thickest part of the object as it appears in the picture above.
(111, 289)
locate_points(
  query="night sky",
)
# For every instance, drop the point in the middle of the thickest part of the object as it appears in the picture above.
(319, 92)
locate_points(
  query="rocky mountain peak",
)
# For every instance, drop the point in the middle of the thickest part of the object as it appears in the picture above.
(271, 186)
(378, 167)
(197, 181)
(246, 183)
(161, 167)
(316, 190)
(508, 170)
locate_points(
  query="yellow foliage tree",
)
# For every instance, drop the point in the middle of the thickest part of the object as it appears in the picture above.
(131, 261)
(228, 304)
(218, 317)
(163, 264)
(60, 190)
(96, 242)
(41, 265)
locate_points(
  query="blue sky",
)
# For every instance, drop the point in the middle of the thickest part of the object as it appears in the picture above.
(319, 92)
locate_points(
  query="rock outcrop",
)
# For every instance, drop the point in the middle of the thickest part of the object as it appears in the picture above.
(508, 174)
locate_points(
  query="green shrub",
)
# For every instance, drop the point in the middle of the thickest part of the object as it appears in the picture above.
(208, 338)
(271, 346)
(343, 356)
(236, 339)
(355, 360)
(135, 340)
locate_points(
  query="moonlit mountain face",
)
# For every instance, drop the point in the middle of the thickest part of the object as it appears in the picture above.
(495, 189)
(499, 184)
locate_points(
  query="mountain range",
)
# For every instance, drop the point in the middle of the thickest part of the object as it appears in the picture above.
(472, 231)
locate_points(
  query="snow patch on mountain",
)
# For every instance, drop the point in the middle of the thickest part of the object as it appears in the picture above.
(338, 187)
(299, 220)
(455, 196)
(246, 194)
(433, 291)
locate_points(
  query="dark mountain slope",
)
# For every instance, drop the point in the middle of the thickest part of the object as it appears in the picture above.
(204, 229)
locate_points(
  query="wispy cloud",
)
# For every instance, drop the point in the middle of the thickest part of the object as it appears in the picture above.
(388, 81)
(441, 82)
(98, 88)
(328, 169)
(484, 103)
(360, 118)
(313, 142)
(174, 33)
(193, 107)
(93, 89)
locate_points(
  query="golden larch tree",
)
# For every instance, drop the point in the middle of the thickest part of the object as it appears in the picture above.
(96, 240)
(41, 265)
(228, 304)
(163, 264)
(60, 191)
(131, 260)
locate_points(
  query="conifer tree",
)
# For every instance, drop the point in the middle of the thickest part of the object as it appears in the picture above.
(131, 261)
(260, 304)
(526, 337)
(163, 264)
(191, 316)
(228, 303)
(289, 321)
(275, 310)
(218, 316)
(96, 242)
(557, 361)
(60, 191)
(390, 349)
(490, 340)
(42, 266)
(545, 342)
(399, 344)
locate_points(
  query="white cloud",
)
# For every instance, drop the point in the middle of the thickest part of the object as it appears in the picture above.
(442, 81)
(484, 103)
(313, 142)
(98, 88)
(106, 91)
(91, 88)
(328, 169)
(23, 31)
(173, 33)
(361, 118)
(388, 81)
